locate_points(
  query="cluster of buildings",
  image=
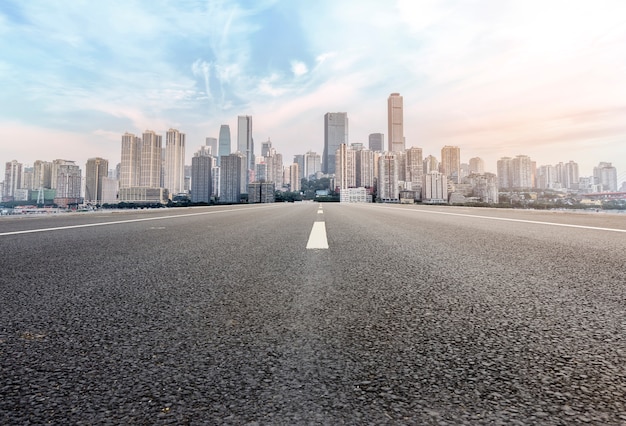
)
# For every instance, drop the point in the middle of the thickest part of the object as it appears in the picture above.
(154, 171)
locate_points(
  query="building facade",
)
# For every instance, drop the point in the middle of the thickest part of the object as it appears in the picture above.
(96, 170)
(175, 162)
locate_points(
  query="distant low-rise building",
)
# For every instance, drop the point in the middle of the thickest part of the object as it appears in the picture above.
(261, 192)
(355, 195)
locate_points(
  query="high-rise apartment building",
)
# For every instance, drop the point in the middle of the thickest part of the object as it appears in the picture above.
(345, 167)
(395, 122)
(335, 133)
(151, 162)
(202, 164)
(521, 172)
(245, 142)
(504, 172)
(431, 164)
(377, 142)
(96, 170)
(547, 177)
(312, 164)
(388, 178)
(414, 166)
(365, 168)
(294, 177)
(130, 169)
(451, 163)
(434, 188)
(224, 141)
(67, 183)
(484, 187)
(42, 174)
(606, 175)
(231, 176)
(174, 162)
(476, 166)
(12, 179)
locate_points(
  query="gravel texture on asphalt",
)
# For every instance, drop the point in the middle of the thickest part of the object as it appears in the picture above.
(407, 318)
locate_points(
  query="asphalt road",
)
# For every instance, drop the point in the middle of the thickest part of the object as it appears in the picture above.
(221, 315)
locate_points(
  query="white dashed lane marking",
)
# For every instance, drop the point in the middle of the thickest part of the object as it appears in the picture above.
(317, 238)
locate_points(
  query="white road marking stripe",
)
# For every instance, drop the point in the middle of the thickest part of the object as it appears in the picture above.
(565, 225)
(116, 222)
(317, 238)
(320, 212)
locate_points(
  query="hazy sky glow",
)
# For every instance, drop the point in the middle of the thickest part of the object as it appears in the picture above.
(545, 78)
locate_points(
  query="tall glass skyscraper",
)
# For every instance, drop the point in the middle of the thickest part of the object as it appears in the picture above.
(335, 133)
(224, 141)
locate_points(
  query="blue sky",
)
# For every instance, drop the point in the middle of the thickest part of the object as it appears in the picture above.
(495, 77)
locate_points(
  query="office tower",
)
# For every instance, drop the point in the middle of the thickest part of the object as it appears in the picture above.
(231, 176)
(505, 173)
(266, 148)
(414, 166)
(312, 164)
(42, 174)
(12, 179)
(364, 168)
(377, 141)
(212, 144)
(130, 170)
(202, 164)
(388, 178)
(245, 143)
(335, 133)
(606, 175)
(67, 183)
(395, 123)
(96, 170)
(431, 164)
(224, 142)
(521, 172)
(476, 166)
(151, 162)
(345, 167)
(294, 177)
(174, 162)
(434, 188)
(451, 162)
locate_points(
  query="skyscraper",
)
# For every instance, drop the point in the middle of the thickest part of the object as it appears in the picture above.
(201, 179)
(12, 179)
(67, 183)
(388, 178)
(151, 149)
(451, 162)
(365, 168)
(96, 170)
(414, 166)
(335, 133)
(130, 169)
(224, 142)
(476, 166)
(606, 175)
(377, 141)
(345, 167)
(395, 122)
(175, 162)
(312, 164)
(212, 144)
(245, 143)
(434, 188)
(42, 177)
(230, 177)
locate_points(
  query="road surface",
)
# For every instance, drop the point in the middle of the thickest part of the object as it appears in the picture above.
(313, 314)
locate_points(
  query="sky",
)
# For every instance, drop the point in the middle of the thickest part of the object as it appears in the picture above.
(544, 78)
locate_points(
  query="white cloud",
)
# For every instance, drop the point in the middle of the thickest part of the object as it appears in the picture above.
(298, 68)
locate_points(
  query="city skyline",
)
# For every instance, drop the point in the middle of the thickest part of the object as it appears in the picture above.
(533, 84)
